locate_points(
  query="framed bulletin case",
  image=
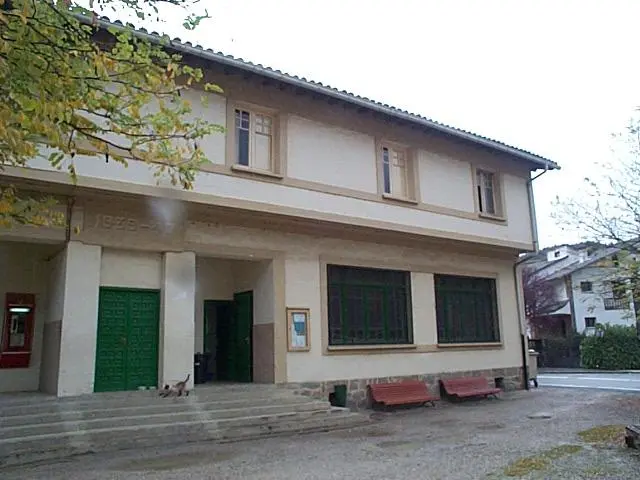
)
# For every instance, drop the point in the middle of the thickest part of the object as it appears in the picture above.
(298, 339)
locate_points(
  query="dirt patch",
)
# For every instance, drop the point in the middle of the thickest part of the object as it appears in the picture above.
(542, 461)
(607, 434)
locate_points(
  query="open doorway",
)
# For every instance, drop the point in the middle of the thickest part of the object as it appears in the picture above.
(228, 339)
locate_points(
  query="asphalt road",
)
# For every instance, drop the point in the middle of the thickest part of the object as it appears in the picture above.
(623, 382)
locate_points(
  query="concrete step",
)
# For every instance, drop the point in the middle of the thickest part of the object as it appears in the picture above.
(26, 415)
(20, 450)
(31, 398)
(144, 399)
(58, 424)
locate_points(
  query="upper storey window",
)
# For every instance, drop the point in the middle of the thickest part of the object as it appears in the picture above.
(396, 172)
(254, 139)
(488, 193)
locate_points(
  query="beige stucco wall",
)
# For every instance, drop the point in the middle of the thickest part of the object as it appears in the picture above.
(130, 269)
(261, 196)
(330, 155)
(282, 268)
(445, 181)
(302, 279)
(258, 277)
(177, 319)
(303, 287)
(214, 110)
(330, 172)
(79, 330)
(53, 323)
(24, 270)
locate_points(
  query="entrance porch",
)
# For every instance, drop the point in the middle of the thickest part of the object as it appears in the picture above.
(234, 319)
(110, 319)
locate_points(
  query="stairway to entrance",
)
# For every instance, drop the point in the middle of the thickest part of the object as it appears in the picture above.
(37, 427)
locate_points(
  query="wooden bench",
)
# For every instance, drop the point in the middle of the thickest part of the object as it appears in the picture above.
(406, 392)
(468, 387)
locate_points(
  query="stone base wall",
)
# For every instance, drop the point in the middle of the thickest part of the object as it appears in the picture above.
(358, 395)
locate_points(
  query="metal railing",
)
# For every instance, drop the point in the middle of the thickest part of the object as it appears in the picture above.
(616, 304)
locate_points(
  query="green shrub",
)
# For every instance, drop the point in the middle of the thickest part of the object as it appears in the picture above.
(614, 347)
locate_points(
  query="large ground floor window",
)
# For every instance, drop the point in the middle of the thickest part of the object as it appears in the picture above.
(466, 309)
(368, 306)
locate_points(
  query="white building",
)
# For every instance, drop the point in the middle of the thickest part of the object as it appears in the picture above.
(589, 287)
(393, 237)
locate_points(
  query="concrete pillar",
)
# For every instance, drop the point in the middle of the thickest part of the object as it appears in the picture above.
(177, 325)
(79, 319)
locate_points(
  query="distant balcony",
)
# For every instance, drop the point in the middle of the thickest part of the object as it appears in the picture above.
(616, 304)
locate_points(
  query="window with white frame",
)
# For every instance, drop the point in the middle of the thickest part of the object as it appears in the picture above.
(590, 322)
(254, 139)
(486, 184)
(395, 171)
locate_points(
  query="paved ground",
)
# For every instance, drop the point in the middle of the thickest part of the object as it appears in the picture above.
(487, 439)
(624, 382)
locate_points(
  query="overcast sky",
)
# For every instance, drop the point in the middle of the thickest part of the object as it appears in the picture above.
(555, 77)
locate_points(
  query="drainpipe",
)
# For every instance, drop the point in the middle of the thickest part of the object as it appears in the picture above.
(516, 276)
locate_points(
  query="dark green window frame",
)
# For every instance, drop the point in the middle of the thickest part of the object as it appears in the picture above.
(368, 306)
(466, 309)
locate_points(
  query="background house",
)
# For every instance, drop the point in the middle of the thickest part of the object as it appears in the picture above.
(581, 285)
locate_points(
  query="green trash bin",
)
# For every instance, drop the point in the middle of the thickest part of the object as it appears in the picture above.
(340, 396)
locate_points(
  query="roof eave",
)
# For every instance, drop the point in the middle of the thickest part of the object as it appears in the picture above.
(207, 54)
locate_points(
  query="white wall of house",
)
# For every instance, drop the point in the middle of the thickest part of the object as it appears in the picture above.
(560, 288)
(592, 304)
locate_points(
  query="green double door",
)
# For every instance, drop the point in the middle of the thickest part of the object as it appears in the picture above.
(127, 344)
(241, 358)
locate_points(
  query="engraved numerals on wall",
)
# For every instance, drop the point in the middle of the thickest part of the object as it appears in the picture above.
(129, 224)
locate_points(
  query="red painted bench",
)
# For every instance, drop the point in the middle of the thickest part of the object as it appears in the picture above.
(401, 393)
(469, 387)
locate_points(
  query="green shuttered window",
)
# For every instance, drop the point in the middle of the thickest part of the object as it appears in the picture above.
(368, 306)
(466, 309)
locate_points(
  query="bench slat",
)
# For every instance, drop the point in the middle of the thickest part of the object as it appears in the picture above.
(399, 393)
(468, 387)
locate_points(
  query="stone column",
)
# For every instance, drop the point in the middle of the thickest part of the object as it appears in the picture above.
(79, 319)
(177, 325)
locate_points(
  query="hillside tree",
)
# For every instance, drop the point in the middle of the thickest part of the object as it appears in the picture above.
(607, 210)
(539, 299)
